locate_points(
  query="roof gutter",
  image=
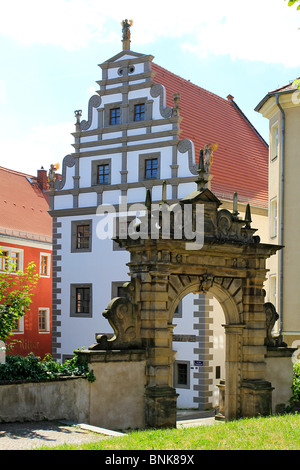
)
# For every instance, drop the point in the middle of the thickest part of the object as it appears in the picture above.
(281, 229)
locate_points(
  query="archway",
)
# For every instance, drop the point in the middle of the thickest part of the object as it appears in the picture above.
(230, 263)
(199, 354)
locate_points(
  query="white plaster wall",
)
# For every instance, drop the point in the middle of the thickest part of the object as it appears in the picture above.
(87, 200)
(100, 267)
(63, 202)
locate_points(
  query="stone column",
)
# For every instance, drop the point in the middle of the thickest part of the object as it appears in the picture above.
(156, 335)
(234, 334)
(256, 391)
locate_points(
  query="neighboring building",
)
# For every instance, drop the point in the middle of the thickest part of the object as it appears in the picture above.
(282, 108)
(138, 135)
(25, 236)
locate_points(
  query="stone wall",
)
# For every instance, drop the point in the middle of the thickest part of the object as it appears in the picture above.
(115, 400)
(35, 401)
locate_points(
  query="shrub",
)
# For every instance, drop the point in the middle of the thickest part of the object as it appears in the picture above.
(32, 368)
(296, 382)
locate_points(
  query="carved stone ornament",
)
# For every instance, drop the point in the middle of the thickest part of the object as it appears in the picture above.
(122, 317)
(206, 282)
(271, 318)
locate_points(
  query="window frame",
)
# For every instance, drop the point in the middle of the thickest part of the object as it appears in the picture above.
(10, 250)
(48, 266)
(140, 113)
(117, 117)
(73, 300)
(142, 165)
(176, 374)
(273, 217)
(74, 227)
(94, 171)
(47, 320)
(274, 150)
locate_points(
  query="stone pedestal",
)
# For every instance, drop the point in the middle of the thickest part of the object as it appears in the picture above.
(256, 398)
(221, 415)
(160, 407)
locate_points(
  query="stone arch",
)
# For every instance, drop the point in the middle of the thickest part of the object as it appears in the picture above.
(228, 292)
(231, 264)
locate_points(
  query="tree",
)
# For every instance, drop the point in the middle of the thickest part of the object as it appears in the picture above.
(292, 2)
(16, 290)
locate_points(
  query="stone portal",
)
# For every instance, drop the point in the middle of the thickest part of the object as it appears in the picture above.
(226, 259)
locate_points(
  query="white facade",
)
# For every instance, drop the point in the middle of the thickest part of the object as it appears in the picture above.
(128, 128)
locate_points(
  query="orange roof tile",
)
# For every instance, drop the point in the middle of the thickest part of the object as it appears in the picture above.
(241, 161)
(23, 207)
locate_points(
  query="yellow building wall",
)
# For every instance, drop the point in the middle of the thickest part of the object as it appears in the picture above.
(290, 103)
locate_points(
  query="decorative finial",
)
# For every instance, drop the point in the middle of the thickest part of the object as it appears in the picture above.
(248, 219)
(78, 114)
(176, 109)
(201, 181)
(51, 175)
(235, 205)
(126, 34)
(164, 193)
(148, 201)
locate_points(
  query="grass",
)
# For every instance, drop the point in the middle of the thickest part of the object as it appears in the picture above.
(264, 433)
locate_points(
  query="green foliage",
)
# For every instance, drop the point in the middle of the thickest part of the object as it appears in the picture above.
(292, 2)
(16, 290)
(32, 368)
(296, 382)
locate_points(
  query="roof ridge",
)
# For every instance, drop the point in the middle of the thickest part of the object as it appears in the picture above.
(16, 172)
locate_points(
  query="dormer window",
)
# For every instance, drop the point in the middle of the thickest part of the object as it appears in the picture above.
(139, 112)
(115, 116)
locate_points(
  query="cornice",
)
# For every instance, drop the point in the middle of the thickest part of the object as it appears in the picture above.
(124, 140)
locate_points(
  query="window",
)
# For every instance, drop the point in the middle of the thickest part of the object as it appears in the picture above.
(115, 116)
(151, 168)
(101, 171)
(81, 300)
(3, 260)
(44, 264)
(18, 326)
(139, 112)
(117, 289)
(103, 174)
(273, 218)
(11, 259)
(44, 320)
(182, 374)
(274, 142)
(273, 289)
(81, 236)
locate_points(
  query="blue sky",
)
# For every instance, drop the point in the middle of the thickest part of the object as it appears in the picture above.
(50, 53)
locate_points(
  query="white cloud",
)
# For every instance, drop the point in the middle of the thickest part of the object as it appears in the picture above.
(41, 146)
(265, 30)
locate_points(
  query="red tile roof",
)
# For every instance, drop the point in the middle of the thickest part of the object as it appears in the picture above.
(241, 161)
(23, 207)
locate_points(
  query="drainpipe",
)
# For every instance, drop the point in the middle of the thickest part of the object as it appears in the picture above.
(281, 229)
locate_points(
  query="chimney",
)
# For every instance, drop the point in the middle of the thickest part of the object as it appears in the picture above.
(42, 179)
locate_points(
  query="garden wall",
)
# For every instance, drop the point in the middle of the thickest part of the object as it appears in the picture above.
(35, 401)
(115, 400)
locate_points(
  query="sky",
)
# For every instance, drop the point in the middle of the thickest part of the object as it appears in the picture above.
(50, 53)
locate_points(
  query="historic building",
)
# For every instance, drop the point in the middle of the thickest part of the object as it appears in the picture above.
(282, 108)
(25, 236)
(144, 131)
